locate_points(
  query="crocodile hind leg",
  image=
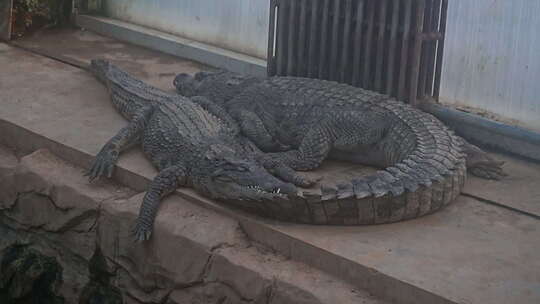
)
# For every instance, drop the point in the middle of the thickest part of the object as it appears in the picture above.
(479, 163)
(163, 184)
(125, 138)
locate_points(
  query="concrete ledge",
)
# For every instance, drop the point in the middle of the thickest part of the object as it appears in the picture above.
(174, 45)
(489, 133)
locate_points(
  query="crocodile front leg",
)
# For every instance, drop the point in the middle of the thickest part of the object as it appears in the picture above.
(285, 173)
(125, 138)
(274, 165)
(163, 184)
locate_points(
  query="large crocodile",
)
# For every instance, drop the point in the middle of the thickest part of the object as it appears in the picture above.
(191, 142)
(423, 163)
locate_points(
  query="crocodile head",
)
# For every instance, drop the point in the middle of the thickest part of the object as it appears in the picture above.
(218, 86)
(222, 174)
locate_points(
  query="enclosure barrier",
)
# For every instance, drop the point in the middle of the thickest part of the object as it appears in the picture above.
(390, 46)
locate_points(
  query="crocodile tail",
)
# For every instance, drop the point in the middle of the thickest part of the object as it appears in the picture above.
(128, 94)
(421, 151)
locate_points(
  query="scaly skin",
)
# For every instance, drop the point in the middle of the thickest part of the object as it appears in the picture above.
(192, 142)
(422, 162)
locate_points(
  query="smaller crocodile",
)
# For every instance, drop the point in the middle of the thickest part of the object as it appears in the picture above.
(192, 142)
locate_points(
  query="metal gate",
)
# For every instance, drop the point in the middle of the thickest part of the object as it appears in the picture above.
(390, 46)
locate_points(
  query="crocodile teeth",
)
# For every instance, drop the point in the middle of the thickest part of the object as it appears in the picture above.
(278, 190)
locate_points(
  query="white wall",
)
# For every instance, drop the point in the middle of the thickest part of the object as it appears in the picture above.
(492, 57)
(239, 25)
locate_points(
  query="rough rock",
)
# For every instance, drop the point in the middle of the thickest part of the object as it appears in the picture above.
(55, 210)
(195, 256)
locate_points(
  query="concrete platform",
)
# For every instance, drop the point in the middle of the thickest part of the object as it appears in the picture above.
(475, 251)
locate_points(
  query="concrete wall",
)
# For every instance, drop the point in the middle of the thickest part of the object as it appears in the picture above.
(238, 25)
(492, 58)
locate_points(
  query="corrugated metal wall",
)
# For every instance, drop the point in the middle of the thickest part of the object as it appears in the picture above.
(238, 25)
(492, 57)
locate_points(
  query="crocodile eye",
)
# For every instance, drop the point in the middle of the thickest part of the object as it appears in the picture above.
(224, 178)
(242, 168)
(229, 167)
(235, 168)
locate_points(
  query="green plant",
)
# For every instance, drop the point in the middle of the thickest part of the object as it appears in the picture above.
(32, 14)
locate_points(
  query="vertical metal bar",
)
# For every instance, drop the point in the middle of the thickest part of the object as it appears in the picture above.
(404, 50)
(270, 60)
(324, 37)
(425, 50)
(369, 37)
(346, 41)
(380, 46)
(291, 58)
(335, 41)
(417, 52)
(433, 47)
(301, 49)
(392, 48)
(358, 42)
(281, 25)
(440, 51)
(313, 30)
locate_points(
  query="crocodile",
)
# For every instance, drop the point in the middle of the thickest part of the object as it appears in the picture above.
(301, 122)
(191, 141)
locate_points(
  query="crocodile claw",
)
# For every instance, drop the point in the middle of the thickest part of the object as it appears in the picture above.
(304, 182)
(494, 172)
(141, 233)
(280, 170)
(275, 146)
(282, 147)
(103, 164)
